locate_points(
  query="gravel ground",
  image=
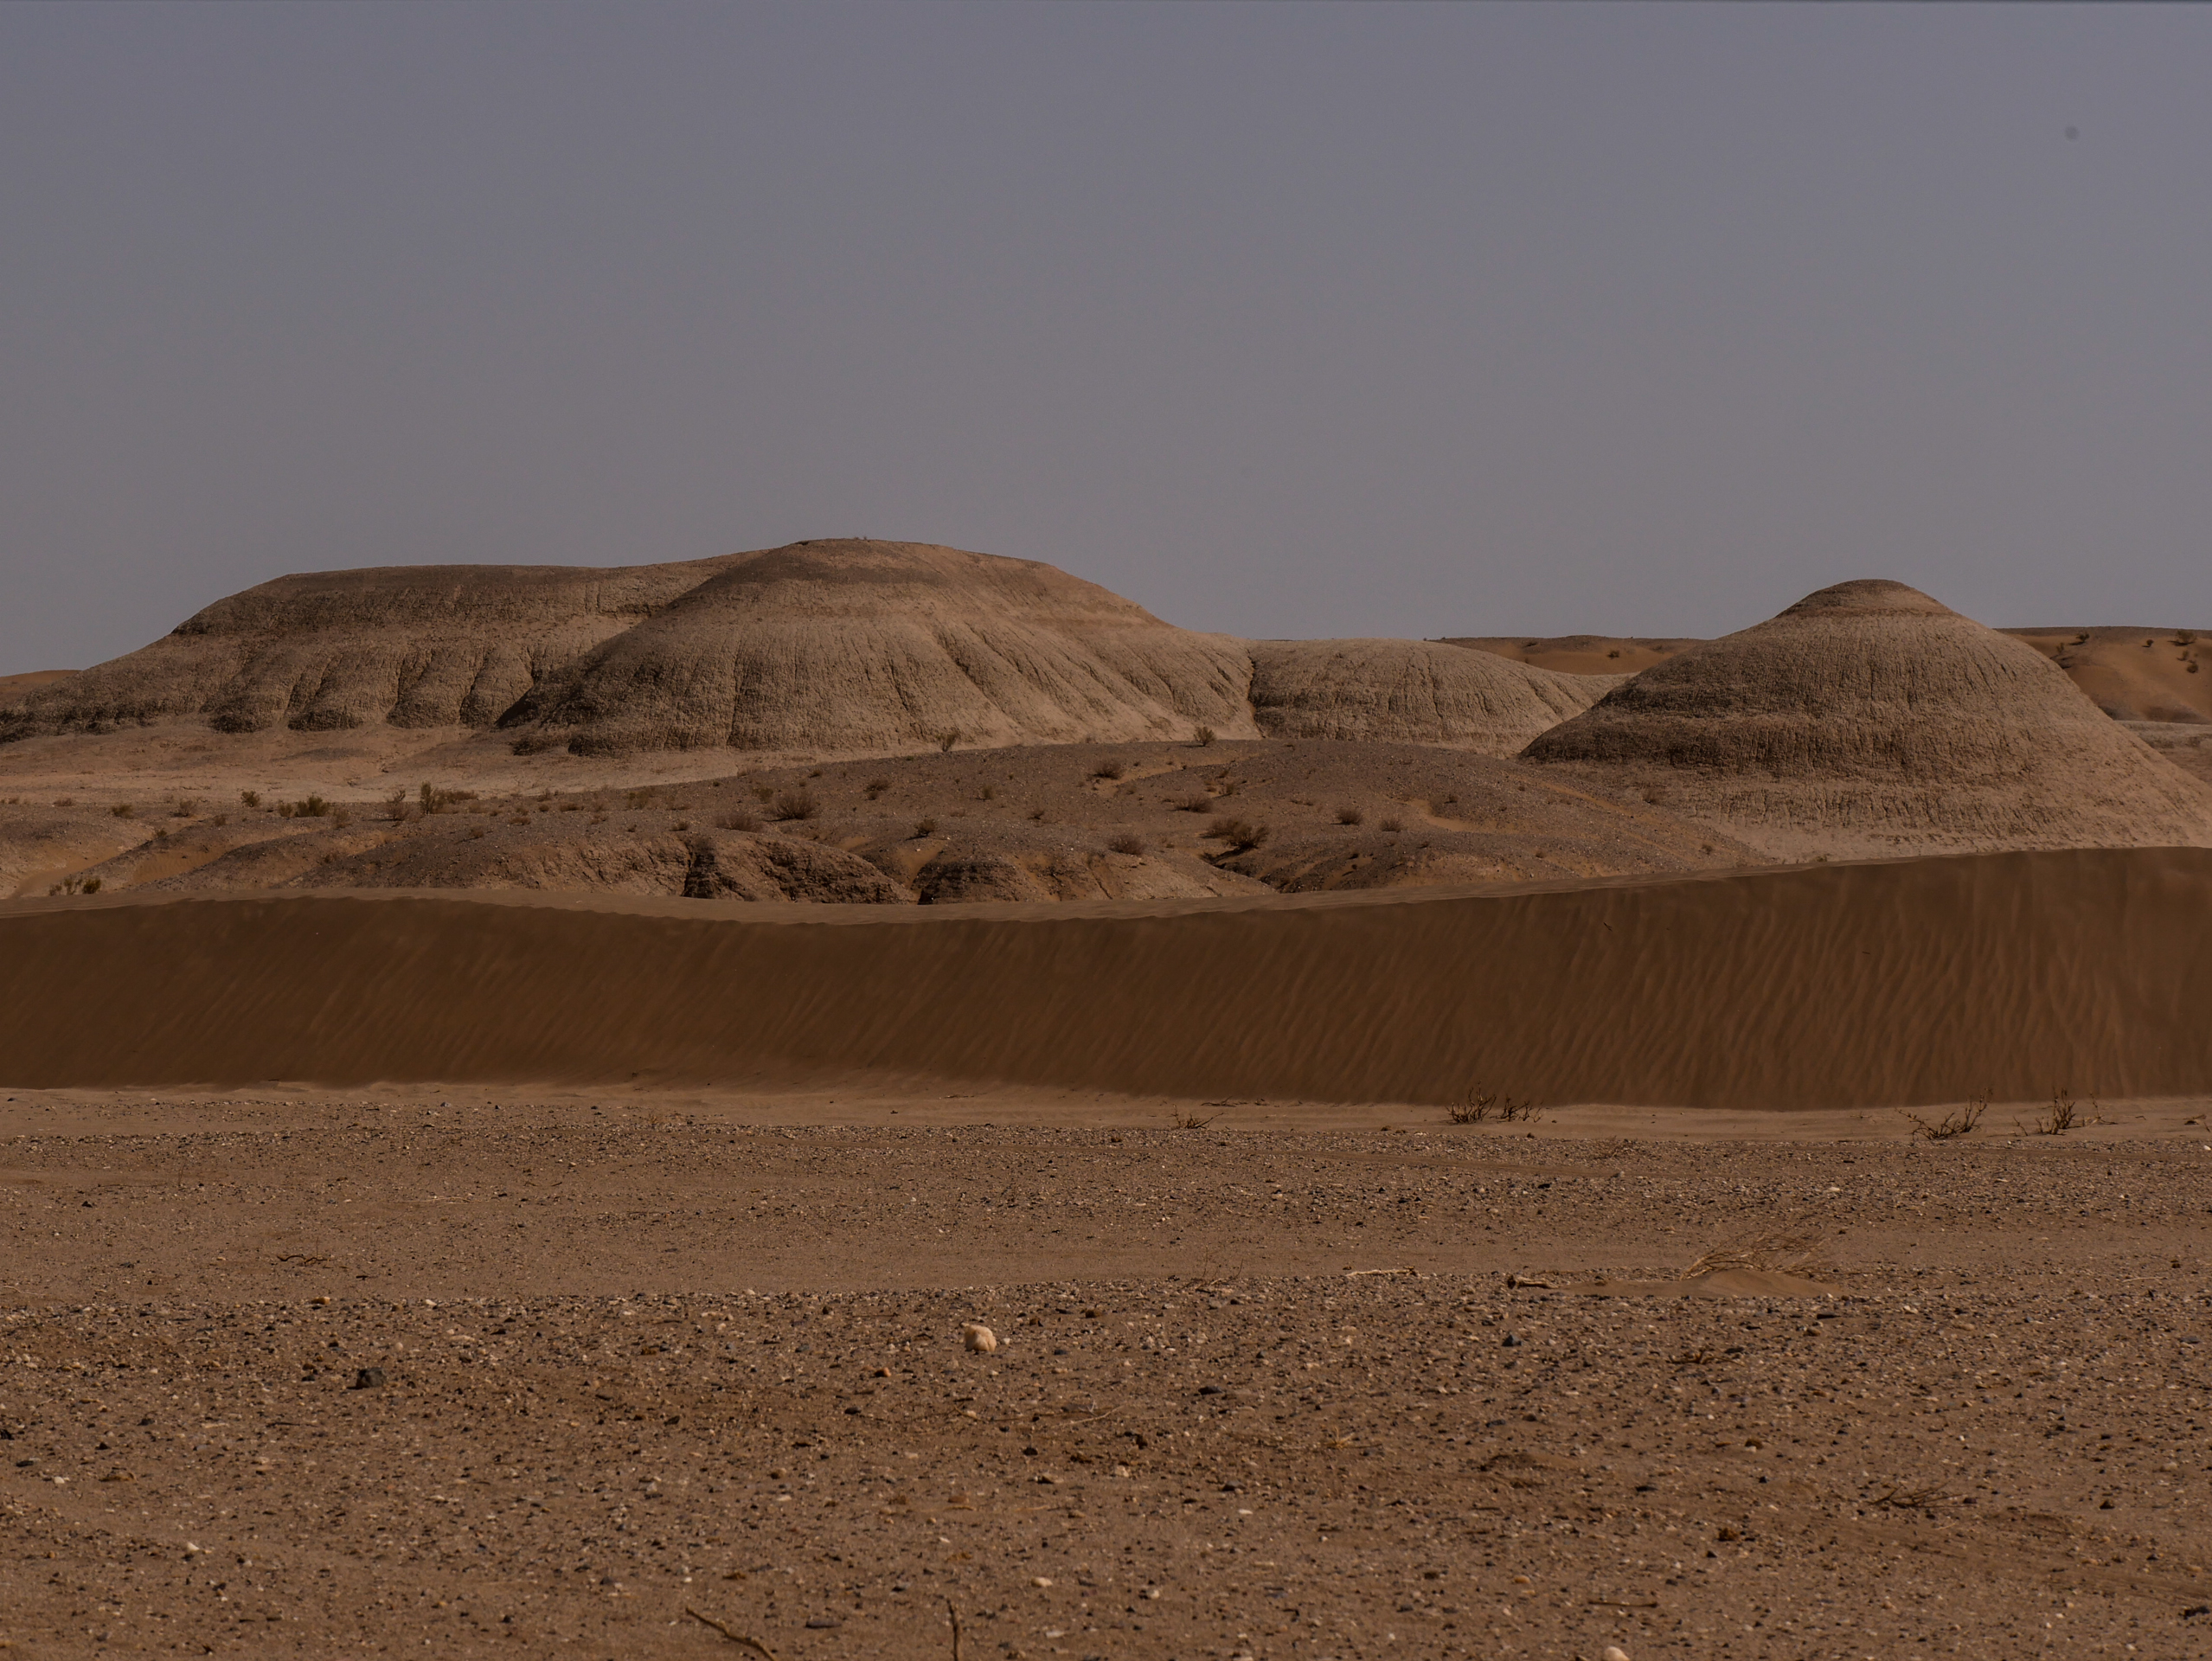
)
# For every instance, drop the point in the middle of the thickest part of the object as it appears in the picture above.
(336, 1376)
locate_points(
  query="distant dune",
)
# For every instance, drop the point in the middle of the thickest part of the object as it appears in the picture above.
(13, 687)
(2134, 675)
(1902, 982)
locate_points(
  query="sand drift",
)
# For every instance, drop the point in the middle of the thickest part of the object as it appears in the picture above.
(1890, 983)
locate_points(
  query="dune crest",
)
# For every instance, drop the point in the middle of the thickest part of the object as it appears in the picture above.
(1900, 982)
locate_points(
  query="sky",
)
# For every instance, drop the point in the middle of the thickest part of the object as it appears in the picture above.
(1282, 320)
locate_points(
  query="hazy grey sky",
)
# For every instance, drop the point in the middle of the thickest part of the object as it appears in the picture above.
(1283, 320)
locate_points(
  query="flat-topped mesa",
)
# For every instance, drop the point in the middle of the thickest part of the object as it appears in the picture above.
(433, 645)
(1868, 719)
(850, 645)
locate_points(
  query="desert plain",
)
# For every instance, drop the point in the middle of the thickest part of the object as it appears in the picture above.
(866, 1099)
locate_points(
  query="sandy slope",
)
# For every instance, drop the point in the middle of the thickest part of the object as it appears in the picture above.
(2133, 675)
(1908, 982)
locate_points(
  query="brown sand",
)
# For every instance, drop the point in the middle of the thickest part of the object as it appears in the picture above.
(1904, 982)
(1266, 1392)
(2133, 674)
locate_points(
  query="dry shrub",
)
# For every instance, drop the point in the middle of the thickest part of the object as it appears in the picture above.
(875, 787)
(123, 811)
(434, 800)
(1127, 845)
(1793, 1249)
(185, 808)
(738, 819)
(797, 804)
(1348, 815)
(1239, 834)
(1960, 1121)
(948, 740)
(1193, 804)
(1108, 770)
(1202, 737)
(1390, 824)
(1479, 1106)
(249, 798)
(2063, 1115)
(924, 827)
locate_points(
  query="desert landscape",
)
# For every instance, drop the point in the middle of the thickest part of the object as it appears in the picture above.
(866, 1099)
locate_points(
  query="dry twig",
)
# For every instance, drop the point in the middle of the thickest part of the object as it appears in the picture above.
(739, 1638)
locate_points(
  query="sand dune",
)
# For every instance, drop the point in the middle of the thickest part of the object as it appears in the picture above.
(1868, 719)
(1900, 982)
(2132, 675)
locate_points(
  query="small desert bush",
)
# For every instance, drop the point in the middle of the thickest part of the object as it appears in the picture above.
(739, 819)
(65, 801)
(1108, 770)
(1479, 1106)
(797, 804)
(220, 819)
(989, 793)
(123, 811)
(431, 799)
(1127, 845)
(2063, 1115)
(924, 827)
(75, 885)
(1239, 834)
(1350, 816)
(395, 806)
(1390, 824)
(947, 740)
(875, 787)
(249, 798)
(1960, 1121)
(1202, 737)
(185, 808)
(1193, 804)
(312, 807)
